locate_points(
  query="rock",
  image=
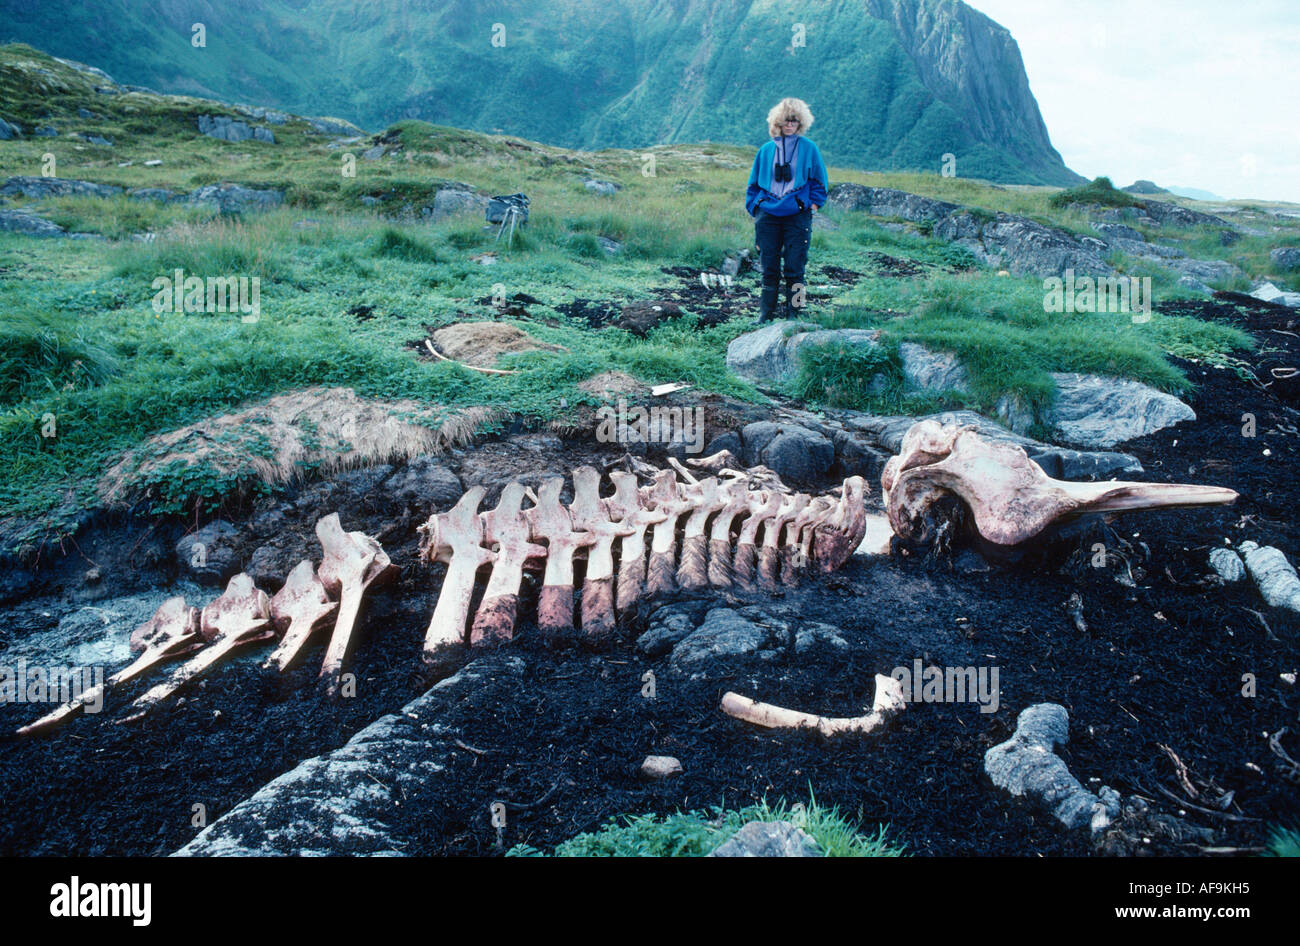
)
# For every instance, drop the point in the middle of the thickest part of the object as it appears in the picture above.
(1205, 271)
(1026, 766)
(1270, 293)
(1170, 214)
(660, 766)
(270, 564)
(228, 129)
(208, 554)
(1227, 564)
(1194, 284)
(886, 202)
(640, 317)
(724, 633)
(815, 634)
(29, 224)
(9, 132)
(44, 131)
(342, 802)
(729, 441)
(822, 222)
(668, 625)
(427, 484)
(931, 371)
(153, 162)
(1101, 412)
(1285, 259)
(1273, 574)
(263, 114)
(36, 187)
(233, 198)
(1023, 246)
(95, 139)
(791, 451)
(769, 839)
(765, 354)
(452, 201)
(1117, 231)
(86, 115)
(609, 246)
(333, 126)
(603, 188)
(373, 154)
(158, 194)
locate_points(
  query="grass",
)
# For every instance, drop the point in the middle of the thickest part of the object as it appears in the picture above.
(698, 833)
(1283, 842)
(1098, 191)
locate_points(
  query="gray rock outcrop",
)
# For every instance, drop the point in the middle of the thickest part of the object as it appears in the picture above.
(769, 839)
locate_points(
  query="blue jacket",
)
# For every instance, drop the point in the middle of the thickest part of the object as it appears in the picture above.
(809, 183)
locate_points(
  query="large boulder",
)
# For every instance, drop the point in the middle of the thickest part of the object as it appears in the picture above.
(724, 633)
(209, 555)
(426, 483)
(37, 187)
(932, 371)
(1096, 411)
(29, 224)
(453, 201)
(769, 839)
(1285, 259)
(766, 354)
(791, 451)
(234, 198)
(230, 129)
(9, 132)
(1023, 246)
(1205, 271)
(886, 202)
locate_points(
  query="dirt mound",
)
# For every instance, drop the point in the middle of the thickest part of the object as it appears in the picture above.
(612, 384)
(325, 429)
(479, 344)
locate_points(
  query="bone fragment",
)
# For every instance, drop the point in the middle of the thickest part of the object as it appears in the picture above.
(240, 616)
(352, 563)
(888, 701)
(505, 527)
(456, 539)
(297, 610)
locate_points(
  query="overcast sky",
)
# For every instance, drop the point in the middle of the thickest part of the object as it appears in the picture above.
(1194, 93)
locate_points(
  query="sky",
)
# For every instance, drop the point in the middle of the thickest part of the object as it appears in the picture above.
(1191, 93)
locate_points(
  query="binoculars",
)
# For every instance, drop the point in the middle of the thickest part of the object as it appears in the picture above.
(782, 172)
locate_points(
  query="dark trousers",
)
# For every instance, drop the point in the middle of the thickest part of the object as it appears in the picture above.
(783, 239)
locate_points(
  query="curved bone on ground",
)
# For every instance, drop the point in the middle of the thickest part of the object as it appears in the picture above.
(1012, 500)
(1026, 765)
(926, 442)
(665, 496)
(173, 631)
(352, 563)
(737, 499)
(550, 521)
(764, 505)
(297, 610)
(770, 554)
(505, 527)
(455, 538)
(240, 616)
(887, 702)
(592, 514)
(693, 570)
(631, 506)
(837, 538)
(1274, 575)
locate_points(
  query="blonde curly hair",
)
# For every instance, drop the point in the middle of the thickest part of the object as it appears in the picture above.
(797, 107)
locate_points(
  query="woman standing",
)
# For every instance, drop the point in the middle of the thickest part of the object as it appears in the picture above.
(786, 186)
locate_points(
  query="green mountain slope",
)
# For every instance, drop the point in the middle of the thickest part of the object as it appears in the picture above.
(895, 84)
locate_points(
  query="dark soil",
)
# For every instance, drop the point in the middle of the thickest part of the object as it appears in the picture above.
(1160, 664)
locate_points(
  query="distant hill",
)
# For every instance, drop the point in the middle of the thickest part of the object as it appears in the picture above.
(894, 84)
(1195, 193)
(1144, 187)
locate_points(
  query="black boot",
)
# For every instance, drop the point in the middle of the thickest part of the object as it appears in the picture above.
(792, 309)
(767, 303)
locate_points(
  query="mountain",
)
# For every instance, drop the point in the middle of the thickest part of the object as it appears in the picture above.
(1195, 193)
(894, 84)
